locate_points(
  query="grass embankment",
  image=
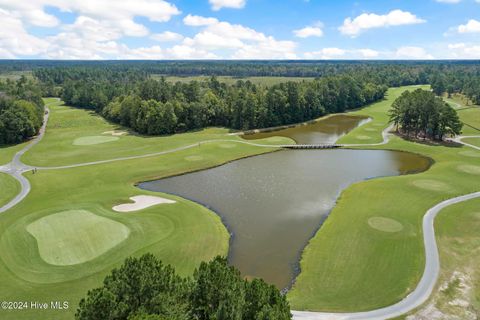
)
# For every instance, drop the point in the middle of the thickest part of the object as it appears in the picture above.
(350, 266)
(182, 234)
(9, 188)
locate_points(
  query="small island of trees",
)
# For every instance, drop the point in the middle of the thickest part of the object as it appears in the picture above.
(420, 114)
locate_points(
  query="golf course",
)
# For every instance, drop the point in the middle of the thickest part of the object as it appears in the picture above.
(79, 219)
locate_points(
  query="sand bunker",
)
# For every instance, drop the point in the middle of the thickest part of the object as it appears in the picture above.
(141, 202)
(433, 185)
(385, 224)
(194, 158)
(360, 137)
(468, 168)
(115, 133)
(472, 154)
(91, 140)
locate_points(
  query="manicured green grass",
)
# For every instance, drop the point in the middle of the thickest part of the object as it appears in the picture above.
(7, 152)
(9, 188)
(349, 266)
(73, 136)
(262, 81)
(458, 240)
(474, 141)
(182, 234)
(75, 236)
(372, 132)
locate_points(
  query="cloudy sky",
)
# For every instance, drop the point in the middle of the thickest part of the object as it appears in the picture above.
(240, 29)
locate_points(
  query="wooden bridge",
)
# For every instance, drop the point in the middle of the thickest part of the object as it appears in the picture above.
(311, 146)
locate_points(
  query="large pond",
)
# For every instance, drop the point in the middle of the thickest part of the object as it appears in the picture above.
(274, 203)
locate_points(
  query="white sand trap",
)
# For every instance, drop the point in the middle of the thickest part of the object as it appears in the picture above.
(91, 140)
(194, 158)
(433, 185)
(472, 154)
(116, 133)
(468, 168)
(385, 224)
(361, 137)
(140, 203)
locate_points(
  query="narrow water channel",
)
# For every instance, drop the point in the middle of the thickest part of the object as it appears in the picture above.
(274, 203)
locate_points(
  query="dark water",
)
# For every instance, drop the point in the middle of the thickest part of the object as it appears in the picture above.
(327, 130)
(274, 203)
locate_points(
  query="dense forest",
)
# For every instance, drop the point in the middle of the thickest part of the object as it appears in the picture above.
(144, 288)
(21, 110)
(422, 114)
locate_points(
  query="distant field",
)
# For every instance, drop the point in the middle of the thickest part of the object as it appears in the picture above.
(15, 75)
(263, 81)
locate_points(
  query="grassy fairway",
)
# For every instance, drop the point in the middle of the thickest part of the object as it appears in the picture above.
(350, 266)
(7, 152)
(76, 136)
(54, 244)
(474, 141)
(9, 186)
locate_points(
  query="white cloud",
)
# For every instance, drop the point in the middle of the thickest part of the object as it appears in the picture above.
(368, 53)
(219, 4)
(118, 13)
(198, 21)
(245, 42)
(464, 51)
(15, 40)
(365, 21)
(267, 49)
(472, 26)
(309, 31)
(412, 53)
(167, 36)
(326, 53)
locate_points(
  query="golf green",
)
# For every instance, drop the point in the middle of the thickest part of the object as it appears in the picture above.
(75, 236)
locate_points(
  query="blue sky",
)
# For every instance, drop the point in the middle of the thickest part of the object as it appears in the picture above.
(240, 29)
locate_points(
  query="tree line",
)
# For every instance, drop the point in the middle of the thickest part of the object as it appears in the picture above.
(457, 82)
(21, 110)
(422, 114)
(160, 107)
(146, 289)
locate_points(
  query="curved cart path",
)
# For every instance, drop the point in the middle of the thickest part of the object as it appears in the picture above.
(417, 297)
